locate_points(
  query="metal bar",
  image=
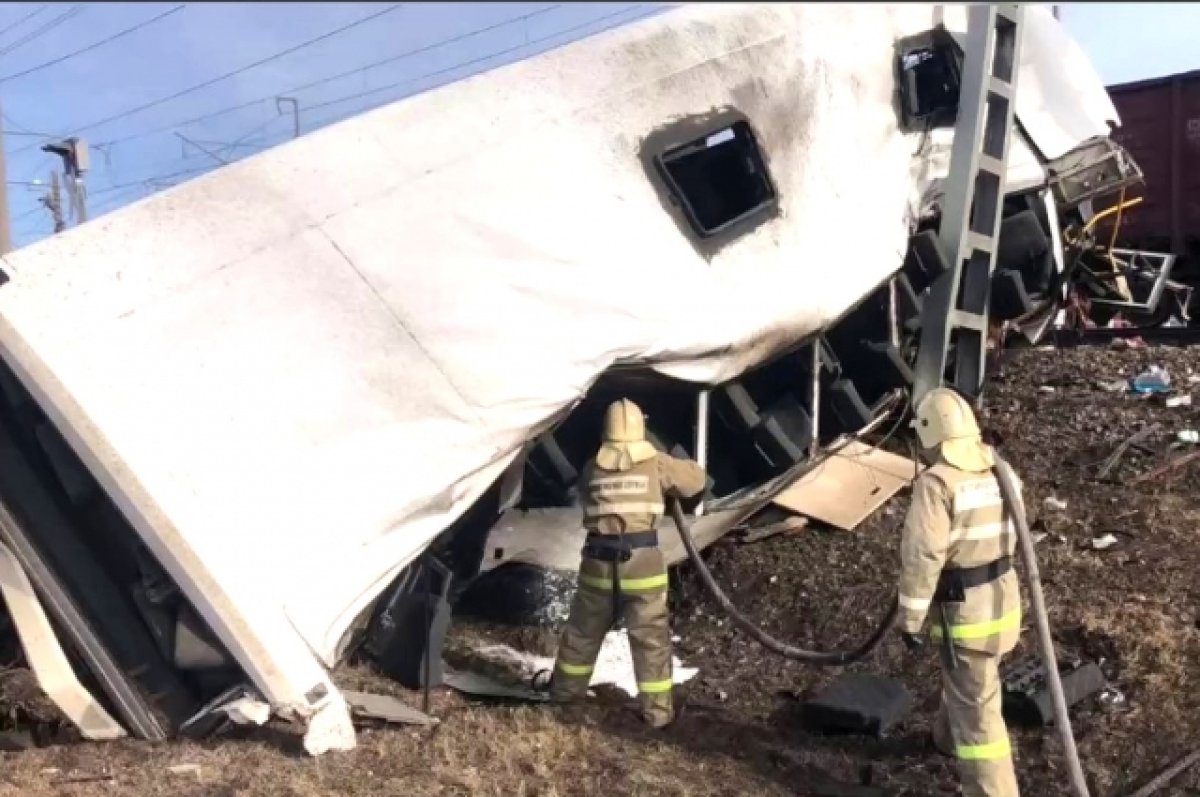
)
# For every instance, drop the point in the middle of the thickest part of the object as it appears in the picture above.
(814, 398)
(893, 314)
(702, 413)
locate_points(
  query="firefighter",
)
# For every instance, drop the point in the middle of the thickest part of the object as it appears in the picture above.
(956, 567)
(623, 574)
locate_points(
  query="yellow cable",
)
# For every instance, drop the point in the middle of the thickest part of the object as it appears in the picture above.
(1117, 208)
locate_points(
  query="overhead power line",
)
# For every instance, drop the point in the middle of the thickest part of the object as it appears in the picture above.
(70, 13)
(25, 18)
(477, 60)
(339, 76)
(233, 73)
(92, 46)
(113, 192)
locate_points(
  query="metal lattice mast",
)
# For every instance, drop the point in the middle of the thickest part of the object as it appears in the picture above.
(955, 312)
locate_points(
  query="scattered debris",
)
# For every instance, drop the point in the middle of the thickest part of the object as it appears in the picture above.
(1052, 504)
(497, 670)
(1154, 379)
(1167, 467)
(1189, 436)
(101, 778)
(1112, 698)
(1179, 401)
(1169, 774)
(1119, 386)
(788, 525)
(1129, 442)
(1027, 698)
(1103, 543)
(383, 707)
(185, 769)
(1046, 389)
(477, 684)
(857, 703)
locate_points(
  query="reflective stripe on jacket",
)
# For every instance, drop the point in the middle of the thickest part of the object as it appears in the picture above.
(957, 520)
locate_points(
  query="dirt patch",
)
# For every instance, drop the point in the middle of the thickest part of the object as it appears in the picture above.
(1133, 607)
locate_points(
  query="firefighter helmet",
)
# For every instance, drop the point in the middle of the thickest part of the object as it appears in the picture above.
(945, 421)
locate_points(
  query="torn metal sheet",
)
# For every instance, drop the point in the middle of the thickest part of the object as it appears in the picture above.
(383, 707)
(480, 685)
(849, 485)
(46, 658)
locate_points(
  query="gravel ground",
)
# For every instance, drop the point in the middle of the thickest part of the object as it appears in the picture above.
(1132, 606)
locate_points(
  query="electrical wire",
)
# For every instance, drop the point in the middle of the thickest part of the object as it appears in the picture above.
(25, 18)
(92, 46)
(469, 62)
(339, 76)
(150, 181)
(481, 58)
(233, 73)
(67, 15)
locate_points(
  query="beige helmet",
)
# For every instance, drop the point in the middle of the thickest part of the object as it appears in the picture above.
(944, 420)
(625, 442)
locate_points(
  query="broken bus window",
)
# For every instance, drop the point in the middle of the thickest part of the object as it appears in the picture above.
(719, 179)
(929, 74)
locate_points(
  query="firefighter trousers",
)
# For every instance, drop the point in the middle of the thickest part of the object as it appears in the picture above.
(970, 726)
(642, 604)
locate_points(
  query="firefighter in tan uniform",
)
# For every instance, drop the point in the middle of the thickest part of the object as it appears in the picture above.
(623, 574)
(956, 568)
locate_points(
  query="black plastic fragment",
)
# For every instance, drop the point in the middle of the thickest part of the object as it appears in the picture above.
(1026, 698)
(857, 703)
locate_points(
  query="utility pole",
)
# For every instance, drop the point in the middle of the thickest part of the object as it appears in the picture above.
(280, 102)
(5, 219)
(76, 162)
(53, 202)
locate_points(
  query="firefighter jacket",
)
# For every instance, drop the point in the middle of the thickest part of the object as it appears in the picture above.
(957, 520)
(632, 500)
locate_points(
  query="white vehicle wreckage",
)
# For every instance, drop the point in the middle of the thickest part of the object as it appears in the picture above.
(238, 414)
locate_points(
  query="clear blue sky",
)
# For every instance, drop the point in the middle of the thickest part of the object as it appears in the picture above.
(119, 94)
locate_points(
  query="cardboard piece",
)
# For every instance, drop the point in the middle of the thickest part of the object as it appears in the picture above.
(849, 485)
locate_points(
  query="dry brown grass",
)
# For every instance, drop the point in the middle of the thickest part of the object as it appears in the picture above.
(490, 752)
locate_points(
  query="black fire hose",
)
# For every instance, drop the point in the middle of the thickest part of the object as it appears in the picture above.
(822, 658)
(1062, 721)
